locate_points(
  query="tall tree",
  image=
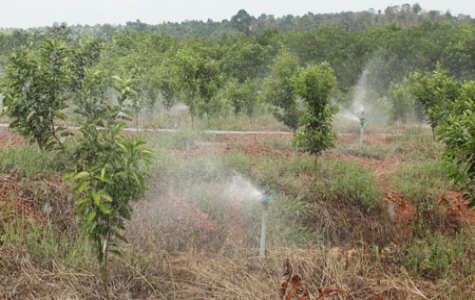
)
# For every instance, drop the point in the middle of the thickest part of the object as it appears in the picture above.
(187, 73)
(242, 22)
(400, 102)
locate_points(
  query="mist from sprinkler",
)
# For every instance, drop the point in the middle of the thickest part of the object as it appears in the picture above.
(240, 189)
(346, 114)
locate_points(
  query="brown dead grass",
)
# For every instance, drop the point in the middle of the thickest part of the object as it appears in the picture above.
(192, 275)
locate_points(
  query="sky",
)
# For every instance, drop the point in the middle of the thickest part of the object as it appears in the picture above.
(37, 13)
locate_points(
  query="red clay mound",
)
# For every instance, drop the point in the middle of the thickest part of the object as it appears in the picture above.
(459, 215)
(402, 212)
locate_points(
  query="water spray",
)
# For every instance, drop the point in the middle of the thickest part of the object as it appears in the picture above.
(362, 122)
(266, 198)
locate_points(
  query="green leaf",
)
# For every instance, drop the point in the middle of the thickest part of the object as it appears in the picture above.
(137, 180)
(105, 243)
(106, 196)
(121, 237)
(116, 252)
(97, 198)
(147, 152)
(105, 179)
(104, 208)
(90, 217)
(103, 173)
(30, 115)
(82, 201)
(81, 175)
(122, 146)
(79, 188)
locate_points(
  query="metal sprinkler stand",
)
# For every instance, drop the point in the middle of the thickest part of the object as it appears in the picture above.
(362, 122)
(265, 216)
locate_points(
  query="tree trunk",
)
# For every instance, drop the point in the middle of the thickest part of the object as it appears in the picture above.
(105, 280)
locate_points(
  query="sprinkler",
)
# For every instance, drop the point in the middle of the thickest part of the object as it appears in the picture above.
(265, 216)
(362, 122)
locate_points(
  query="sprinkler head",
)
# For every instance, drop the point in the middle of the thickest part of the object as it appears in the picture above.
(363, 121)
(266, 198)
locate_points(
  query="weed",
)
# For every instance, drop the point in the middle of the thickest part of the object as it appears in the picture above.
(44, 244)
(376, 151)
(410, 133)
(29, 162)
(343, 181)
(236, 161)
(429, 258)
(299, 164)
(423, 180)
(184, 140)
(273, 142)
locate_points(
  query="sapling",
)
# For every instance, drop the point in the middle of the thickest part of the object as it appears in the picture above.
(110, 173)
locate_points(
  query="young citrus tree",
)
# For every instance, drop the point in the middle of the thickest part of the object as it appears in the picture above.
(436, 92)
(458, 132)
(242, 96)
(110, 172)
(199, 79)
(314, 85)
(36, 87)
(400, 102)
(280, 91)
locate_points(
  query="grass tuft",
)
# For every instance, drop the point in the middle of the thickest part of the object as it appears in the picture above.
(30, 162)
(343, 181)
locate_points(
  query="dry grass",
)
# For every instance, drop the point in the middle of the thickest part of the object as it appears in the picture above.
(191, 275)
(21, 279)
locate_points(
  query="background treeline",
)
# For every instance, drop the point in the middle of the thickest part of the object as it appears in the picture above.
(370, 48)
